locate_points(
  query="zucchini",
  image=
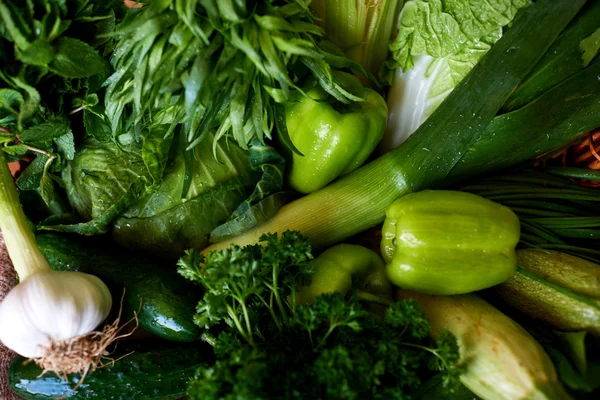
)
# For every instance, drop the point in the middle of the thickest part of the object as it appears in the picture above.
(168, 301)
(156, 370)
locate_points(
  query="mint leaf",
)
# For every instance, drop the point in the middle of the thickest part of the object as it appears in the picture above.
(17, 150)
(30, 178)
(41, 134)
(46, 184)
(97, 126)
(76, 59)
(31, 103)
(38, 53)
(65, 145)
(10, 101)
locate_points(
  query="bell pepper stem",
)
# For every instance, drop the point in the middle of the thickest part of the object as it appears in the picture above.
(18, 237)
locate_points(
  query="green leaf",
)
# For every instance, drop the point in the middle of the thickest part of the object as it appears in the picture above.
(39, 53)
(76, 59)
(31, 104)
(11, 101)
(439, 28)
(65, 145)
(44, 133)
(251, 216)
(569, 375)
(557, 117)
(46, 184)
(11, 25)
(16, 150)
(103, 222)
(97, 126)
(31, 177)
(91, 100)
(438, 44)
(562, 60)
(590, 46)
(155, 150)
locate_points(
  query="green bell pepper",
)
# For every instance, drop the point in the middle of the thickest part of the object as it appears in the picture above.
(344, 267)
(449, 242)
(334, 138)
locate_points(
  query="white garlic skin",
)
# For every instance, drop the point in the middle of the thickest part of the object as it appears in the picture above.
(52, 306)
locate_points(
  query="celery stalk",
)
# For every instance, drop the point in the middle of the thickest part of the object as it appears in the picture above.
(359, 200)
(362, 28)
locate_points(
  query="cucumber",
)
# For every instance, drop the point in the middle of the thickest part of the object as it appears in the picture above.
(156, 370)
(168, 301)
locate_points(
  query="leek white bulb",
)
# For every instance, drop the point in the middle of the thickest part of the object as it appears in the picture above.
(52, 306)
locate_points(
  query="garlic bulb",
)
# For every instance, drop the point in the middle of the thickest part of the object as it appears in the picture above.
(47, 306)
(51, 306)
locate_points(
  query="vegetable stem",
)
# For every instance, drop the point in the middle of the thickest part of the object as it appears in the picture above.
(373, 298)
(20, 241)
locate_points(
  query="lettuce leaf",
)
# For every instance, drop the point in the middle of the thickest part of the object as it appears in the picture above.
(160, 198)
(438, 43)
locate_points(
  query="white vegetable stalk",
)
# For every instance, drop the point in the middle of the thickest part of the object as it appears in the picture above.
(409, 100)
(47, 306)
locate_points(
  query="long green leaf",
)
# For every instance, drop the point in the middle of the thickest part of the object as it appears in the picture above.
(562, 60)
(557, 117)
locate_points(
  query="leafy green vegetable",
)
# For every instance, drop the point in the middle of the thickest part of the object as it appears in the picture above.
(213, 65)
(163, 199)
(438, 43)
(269, 346)
(50, 58)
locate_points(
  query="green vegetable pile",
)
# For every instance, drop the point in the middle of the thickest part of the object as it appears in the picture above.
(330, 349)
(243, 171)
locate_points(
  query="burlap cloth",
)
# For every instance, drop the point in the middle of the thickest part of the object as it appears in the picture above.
(7, 281)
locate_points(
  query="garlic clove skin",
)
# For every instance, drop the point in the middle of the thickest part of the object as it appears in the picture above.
(52, 306)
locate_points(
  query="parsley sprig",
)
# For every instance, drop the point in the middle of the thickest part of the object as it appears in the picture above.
(268, 346)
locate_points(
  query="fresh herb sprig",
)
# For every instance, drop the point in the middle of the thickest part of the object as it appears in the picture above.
(226, 66)
(269, 346)
(52, 66)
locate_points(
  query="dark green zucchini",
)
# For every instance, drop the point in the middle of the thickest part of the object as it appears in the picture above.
(156, 370)
(168, 301)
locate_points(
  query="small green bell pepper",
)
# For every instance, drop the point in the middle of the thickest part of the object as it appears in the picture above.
(344, 267)
(334, 138)
(449, 242)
